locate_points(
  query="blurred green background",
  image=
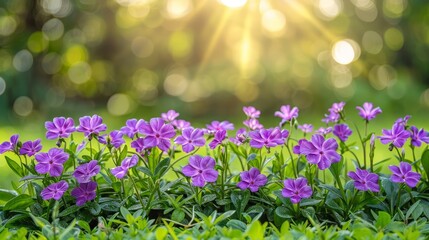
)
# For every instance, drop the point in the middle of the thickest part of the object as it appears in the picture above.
(208, 58)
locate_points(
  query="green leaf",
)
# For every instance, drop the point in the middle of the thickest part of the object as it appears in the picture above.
(415, 210)
(309, 202)
(55, 210)
(383, 220)
(161, 233)
(94, 208)
(251, 157)
(425, 162)
(255, 209)
(19, 202)
(19, 219)
(240, 200)
(256, 230)
(236, 224)
(14, 166)
(6, 195)
(208, 198)
(283, 212)
(145, 170)
(111, 206)
(124, 153)
(106, 178)
(69, 210)
(162, 167)
(117, 186)
(84, 225)
(66, 233)
(40, 222)
(124, 212)
(224, 216)
(178, 215)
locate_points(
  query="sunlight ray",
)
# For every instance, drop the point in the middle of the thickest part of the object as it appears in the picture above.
(246, 42)
(307, 15)
(213, 40)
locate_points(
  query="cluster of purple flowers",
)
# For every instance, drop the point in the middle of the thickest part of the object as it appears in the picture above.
(400, 133)
(162, 132)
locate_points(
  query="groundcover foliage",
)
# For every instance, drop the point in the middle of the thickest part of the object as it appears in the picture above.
(161, 178)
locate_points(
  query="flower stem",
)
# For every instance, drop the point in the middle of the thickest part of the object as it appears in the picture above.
(137, 191)
(364, 144)
(295, 169)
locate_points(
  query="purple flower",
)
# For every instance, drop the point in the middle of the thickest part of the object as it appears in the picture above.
(320, 151)
(11, 145)
(158, 134)
(397, 136)
(252, 179)
(296, 189)
(132, 127)
(190, 139)
(306, 128)
(342, 131)
(337, 107)
(403, 174)
(84, 193)
(51, 162)
(169, 116)
(81, 146)
(364, 180)
(216, 126)
(120, 171)
(251, 112)
(367, 111)
(253, 124)
(55, 190)
(286, 113)
(266, 138)
(331, 117)
(240, 137)
(418, 136)
(30, 148)
(403, 121)
(201, 170)
(334, 112)
(86, 171)
(324, 131)
(138, 145)
(219, 136)
(60, 127)
(91, 125)
(297, 149)
(180, 124)
(114, 138)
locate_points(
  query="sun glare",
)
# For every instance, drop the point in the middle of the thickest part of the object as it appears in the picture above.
(343, 52)
(233, 3)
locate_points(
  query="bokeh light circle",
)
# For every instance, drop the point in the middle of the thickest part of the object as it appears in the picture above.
(53, 29)
(2, 85)
(119, 104)
(175, 84)
(23, 106)
(178, 8)
(233, 3)
(273, 20)
(345, 51)
(23, 60)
